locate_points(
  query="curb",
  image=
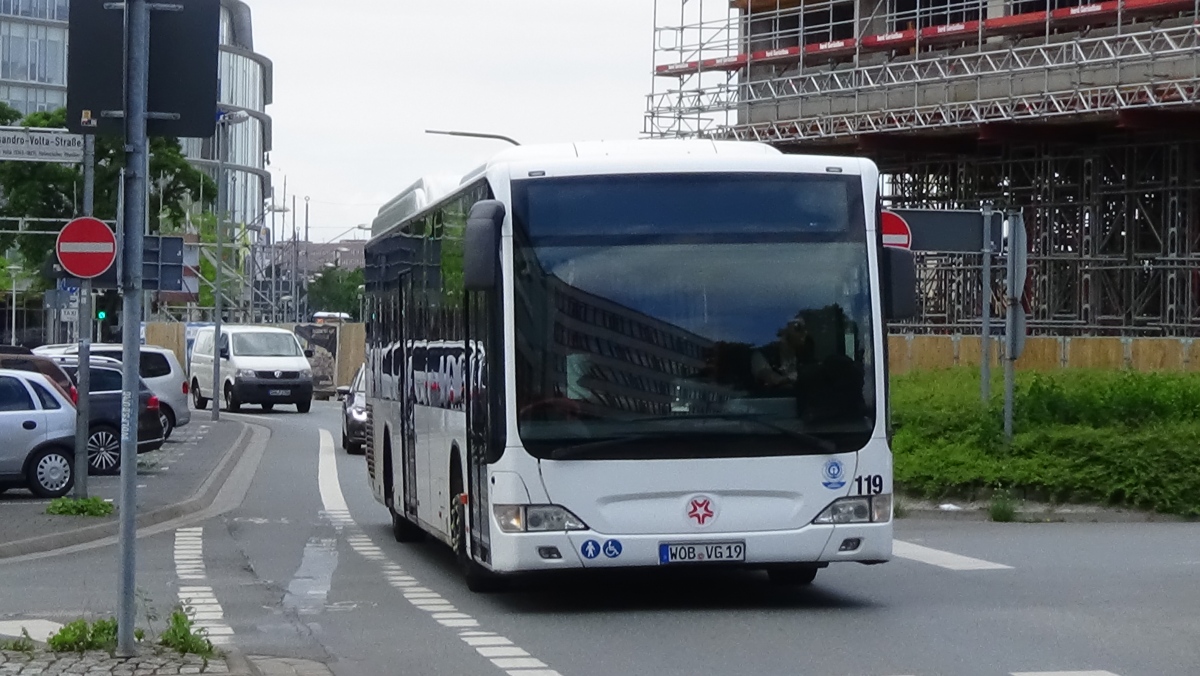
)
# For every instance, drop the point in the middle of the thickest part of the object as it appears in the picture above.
(1034, 517)
(204, 496)
(238, 664)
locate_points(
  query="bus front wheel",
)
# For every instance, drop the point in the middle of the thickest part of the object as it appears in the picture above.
(404, 530)
(793, 575)
(479, 579)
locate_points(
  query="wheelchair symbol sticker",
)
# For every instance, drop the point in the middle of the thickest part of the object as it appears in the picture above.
(612, 549)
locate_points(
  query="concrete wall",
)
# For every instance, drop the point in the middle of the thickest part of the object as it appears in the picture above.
(919, 352)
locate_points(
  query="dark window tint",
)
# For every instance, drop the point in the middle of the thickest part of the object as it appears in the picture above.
(155, 365)
(49, 402)
(14, 396)
(106, 380)
(32, 365)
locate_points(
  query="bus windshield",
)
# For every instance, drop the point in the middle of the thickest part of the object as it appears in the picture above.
(692, 315)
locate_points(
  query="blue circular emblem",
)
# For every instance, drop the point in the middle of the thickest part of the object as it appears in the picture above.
(834, 474)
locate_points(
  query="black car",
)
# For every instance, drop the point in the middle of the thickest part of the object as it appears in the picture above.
(104, 414)
(354, 413)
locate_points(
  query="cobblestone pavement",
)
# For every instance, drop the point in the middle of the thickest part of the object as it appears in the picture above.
(101, 664)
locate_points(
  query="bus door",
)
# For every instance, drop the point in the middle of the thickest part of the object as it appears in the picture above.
(481, 417)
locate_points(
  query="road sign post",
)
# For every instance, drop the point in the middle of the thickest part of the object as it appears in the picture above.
(985, 361)
(1014, 333)
(84, 322)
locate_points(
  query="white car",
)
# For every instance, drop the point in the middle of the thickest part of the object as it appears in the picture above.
(259, 365)
(161, 370)
(37, 423)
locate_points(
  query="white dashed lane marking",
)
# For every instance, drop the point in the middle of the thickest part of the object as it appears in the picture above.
(196, 597)
(500, 651)
(937, 557)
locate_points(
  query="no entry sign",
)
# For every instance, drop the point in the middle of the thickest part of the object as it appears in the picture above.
(896, 232)
(86, 248)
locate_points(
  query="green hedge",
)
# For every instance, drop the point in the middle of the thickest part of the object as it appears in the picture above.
(1083, 436)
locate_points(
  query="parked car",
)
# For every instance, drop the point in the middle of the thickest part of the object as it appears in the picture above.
(37, 423)
(259, 365)
(354, 413)
(104, 417)
(160, 369)
(46, 366)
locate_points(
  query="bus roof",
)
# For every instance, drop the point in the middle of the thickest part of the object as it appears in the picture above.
(623, 149)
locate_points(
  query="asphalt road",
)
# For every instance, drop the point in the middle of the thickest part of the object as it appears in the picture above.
(306, 567)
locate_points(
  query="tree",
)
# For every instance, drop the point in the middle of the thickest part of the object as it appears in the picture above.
(55, 191)
(337, 290)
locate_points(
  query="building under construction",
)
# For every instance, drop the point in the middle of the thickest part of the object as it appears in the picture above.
(1083, 116)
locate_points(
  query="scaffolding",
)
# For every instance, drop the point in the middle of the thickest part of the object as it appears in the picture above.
(1079, 114)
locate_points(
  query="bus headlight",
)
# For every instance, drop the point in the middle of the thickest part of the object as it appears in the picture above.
(536, 518)
(860, 509)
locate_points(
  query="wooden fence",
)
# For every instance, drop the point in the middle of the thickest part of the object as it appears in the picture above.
(923, 352)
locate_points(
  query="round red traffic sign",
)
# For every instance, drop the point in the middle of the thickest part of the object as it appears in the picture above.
(86, 248)
(896, 232)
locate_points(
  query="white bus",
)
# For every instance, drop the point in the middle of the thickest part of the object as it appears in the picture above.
(648, 353)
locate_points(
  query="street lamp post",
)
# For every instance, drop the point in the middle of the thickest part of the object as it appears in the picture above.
(473, 134)
(12, 275)
(225, 120)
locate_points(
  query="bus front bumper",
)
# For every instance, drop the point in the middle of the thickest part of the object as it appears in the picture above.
(814, 544)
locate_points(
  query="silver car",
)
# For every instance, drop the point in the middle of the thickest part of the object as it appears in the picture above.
(37, 423)
(161, 371)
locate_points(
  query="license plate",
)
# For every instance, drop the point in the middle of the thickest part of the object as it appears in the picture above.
(279, 393)
(701, 552)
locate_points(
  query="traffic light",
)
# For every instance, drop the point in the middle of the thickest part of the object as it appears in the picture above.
(101, 314)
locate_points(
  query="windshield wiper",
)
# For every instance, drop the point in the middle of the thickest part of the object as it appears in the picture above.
(823, 444)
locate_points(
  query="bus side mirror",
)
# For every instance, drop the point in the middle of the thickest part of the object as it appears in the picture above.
(482, 245)
(899, 284)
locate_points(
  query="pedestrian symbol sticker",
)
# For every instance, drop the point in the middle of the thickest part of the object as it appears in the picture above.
(612, 549)
(590, 549)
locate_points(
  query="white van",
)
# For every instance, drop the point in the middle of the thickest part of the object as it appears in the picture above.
(259, 365)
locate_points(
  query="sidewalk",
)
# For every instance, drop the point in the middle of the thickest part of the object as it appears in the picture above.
(169, 481)
(44, 663)
(101, 664)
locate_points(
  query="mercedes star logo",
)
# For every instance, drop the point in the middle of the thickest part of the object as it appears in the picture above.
(700, 509)
(279, 374)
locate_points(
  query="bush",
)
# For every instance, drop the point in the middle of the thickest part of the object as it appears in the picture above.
(1115, 437)
(75, 507)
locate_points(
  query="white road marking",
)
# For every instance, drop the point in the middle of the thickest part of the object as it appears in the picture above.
(197, 598)
(937, 557)
(498, 649)
(39, 630)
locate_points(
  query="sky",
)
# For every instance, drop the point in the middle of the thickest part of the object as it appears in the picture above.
(357, 82)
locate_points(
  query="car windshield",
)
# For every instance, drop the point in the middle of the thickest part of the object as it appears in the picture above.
(265, 345)
(729, 314)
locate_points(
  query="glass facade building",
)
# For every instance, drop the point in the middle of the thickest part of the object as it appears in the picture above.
(33, 77)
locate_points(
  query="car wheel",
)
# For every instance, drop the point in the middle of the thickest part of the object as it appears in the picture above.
(198, 401)
(345, 442)
(166, 417)
(231, 401)
(50, 473)
(104, 450)
(304, 406)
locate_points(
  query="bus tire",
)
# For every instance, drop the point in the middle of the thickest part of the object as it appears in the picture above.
(793, 575)
(479, 579)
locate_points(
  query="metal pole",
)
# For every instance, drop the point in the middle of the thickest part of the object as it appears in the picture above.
(307, 249)
(222, 195)
(137, 70)
(985, 362)
(12, 276)
(1010, 323)
(83, 407)
(295, 265)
